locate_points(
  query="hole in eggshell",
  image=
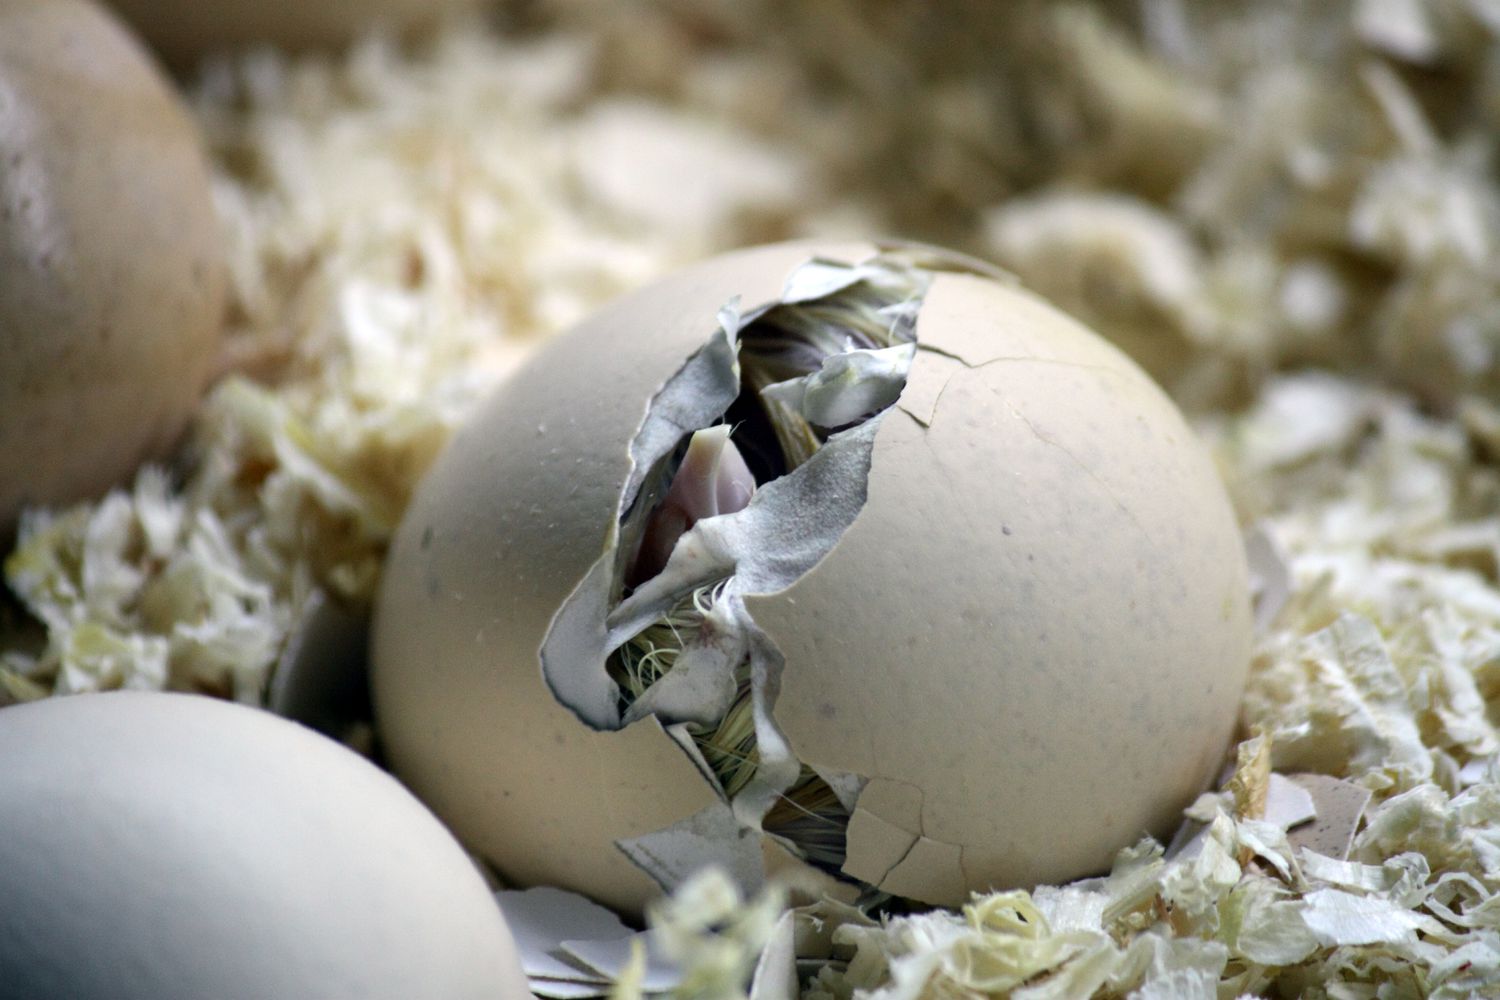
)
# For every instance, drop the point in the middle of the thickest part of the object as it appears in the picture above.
(783, 405)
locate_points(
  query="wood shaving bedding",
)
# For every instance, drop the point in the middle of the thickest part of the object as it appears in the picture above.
(1290, 214)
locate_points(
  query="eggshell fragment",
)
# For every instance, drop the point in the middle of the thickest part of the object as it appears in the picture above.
(1026, 651)
(111, 278)
(174, 846)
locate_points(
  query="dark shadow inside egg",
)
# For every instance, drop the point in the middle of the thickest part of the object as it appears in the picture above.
(785, 400)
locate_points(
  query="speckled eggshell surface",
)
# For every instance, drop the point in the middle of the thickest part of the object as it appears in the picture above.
(111, 276)
(1030, 643)
(174, 847)
(184, 30)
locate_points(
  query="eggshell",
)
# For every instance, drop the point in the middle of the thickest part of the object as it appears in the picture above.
(476, 573)
(111, 279)
(173, 846)
(1062, 632)
(184, 30)
(1031, 642)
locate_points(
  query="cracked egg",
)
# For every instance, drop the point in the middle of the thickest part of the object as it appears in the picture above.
(849, 559)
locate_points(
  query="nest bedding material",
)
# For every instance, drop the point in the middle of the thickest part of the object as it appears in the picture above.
(1290, 214)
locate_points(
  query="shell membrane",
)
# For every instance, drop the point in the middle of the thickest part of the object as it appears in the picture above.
(944, 682)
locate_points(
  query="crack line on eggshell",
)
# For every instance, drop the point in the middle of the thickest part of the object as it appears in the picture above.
(915, 840)
(938, 399)
(975, 366)
(921, 830)
(1082, 467)
(916, 419)
(1033, 359)
(721, 536)
(963, 869)
(918, 836)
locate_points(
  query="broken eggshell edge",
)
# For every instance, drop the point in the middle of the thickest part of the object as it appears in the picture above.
(1092, 631)
(475, 575)
(549, 800)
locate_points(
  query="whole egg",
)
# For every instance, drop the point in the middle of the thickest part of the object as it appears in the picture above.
(171, 846)
(983, 621)
(111, 271)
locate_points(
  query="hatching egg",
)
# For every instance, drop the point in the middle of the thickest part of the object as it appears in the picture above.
(859, 560)
(111, 278)
(174, 846)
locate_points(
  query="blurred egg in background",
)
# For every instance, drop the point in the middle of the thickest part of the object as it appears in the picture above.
(111, 257)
